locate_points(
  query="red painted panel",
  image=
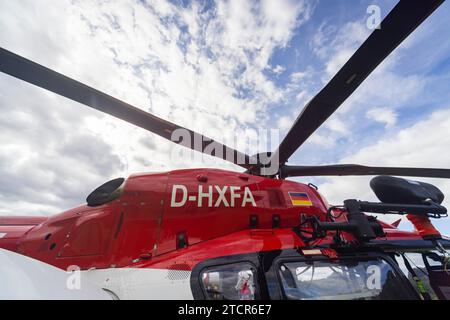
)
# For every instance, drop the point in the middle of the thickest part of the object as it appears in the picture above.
(216, 216)
(236, 243)
(10, 235)
(141, 209)
(289, 213)
(21, 220)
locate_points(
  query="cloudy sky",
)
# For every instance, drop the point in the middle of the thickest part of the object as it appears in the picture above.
(218, 68)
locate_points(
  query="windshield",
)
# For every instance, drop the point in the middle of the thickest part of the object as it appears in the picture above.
(348, 279)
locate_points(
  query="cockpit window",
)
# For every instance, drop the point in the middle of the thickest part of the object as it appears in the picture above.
(230, 282)
(339, 280)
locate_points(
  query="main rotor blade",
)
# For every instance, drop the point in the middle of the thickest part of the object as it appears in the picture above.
(36, 74)
(358, 170)
(406, 16)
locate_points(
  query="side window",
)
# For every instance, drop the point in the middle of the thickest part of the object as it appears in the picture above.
(230, 282)
(427, 273)
(412, 265)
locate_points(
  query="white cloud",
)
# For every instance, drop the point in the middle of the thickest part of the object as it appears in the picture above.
(333, 130)
(324, 141)
(285, 123)
(301, 96)
(339, 59)
(298, 76)
(383, 115)
(278, 69)
(337, 126)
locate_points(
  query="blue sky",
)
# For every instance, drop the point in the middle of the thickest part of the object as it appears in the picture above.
(223, 68)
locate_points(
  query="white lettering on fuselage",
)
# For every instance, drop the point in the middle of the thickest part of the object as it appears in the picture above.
(227, 196)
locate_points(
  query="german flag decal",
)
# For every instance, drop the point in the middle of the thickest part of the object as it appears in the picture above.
(300, 199)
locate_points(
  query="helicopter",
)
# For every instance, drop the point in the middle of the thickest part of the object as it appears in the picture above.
(223, 235)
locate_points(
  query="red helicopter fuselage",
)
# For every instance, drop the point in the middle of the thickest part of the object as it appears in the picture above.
(173, 221)
(157, 211)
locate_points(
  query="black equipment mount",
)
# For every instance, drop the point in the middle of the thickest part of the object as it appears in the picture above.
(361, 226)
